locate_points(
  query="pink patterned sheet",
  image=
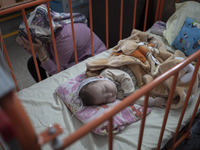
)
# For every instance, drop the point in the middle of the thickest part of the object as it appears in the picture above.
(68, 93)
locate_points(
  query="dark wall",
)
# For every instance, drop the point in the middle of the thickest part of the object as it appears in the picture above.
(169, 8)
(99, 27)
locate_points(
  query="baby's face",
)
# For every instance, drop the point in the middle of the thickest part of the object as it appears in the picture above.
(103, 92)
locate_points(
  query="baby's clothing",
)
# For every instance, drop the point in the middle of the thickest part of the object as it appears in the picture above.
(125, 81)
(130, 73)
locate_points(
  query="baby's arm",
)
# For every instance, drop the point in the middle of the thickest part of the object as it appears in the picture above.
(157, 101)
(121, 77)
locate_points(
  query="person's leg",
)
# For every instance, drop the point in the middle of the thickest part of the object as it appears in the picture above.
(32, 70)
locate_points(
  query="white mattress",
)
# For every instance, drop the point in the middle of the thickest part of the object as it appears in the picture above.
(44, 108)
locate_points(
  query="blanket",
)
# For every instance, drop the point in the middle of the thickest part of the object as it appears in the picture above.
(147, 57)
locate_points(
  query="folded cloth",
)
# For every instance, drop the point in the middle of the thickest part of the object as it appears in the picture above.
(158, 28)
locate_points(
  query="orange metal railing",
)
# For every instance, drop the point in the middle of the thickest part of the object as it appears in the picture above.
(159, 10)
(91, 27)
(53, 37)
(73, 33)
(8, 62)
(11, 103)
(22, 7)
(145, 90)
(134, 13)
(107, 23)
(22, 126)
(132, 98)
(121, 19)
(145, 17)
(31, 44)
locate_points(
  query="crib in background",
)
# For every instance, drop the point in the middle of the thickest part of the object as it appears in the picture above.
(20, 123)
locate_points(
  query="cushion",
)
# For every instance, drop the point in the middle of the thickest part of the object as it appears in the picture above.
(68, 93)
(174, 24)
(188, 39)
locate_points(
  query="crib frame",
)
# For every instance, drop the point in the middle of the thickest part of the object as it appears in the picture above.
(28, 140)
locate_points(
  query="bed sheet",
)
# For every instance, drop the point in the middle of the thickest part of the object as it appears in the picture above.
(44, 108)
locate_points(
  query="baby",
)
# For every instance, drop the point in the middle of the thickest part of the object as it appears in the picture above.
(107, 87)
(97, 91)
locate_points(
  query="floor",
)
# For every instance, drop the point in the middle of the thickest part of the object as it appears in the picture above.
(192, 143)
(18, 56)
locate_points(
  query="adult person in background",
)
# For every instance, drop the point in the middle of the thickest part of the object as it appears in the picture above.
(43, 46)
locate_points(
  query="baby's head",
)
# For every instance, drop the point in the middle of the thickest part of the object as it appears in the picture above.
(97, 91)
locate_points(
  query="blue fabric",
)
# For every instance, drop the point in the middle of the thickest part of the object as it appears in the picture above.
(188, 39)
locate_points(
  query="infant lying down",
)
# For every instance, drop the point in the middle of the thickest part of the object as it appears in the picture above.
(111, 84)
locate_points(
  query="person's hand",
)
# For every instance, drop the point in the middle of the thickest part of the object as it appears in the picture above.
(25, 43)
(38, 47)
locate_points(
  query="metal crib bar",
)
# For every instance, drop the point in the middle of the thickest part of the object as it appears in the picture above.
(73, 34)
(31, 44)
(110, 136)
(91, 27)
(22, 126)
(145, 17)
(134, 13)
(107, 31)
(121, 20)
(167, 109)
(161, 9)
(186, 102)
(9, 63)
(187, 134)
(53, 37)
(22, 6)
(128, 100)
(157, 10)
(193, 115)
(143, 121)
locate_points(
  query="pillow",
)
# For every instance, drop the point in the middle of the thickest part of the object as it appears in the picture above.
(188, 39)
(174, 24)
(68, 93)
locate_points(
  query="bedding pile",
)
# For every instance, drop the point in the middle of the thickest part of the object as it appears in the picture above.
(147, 66)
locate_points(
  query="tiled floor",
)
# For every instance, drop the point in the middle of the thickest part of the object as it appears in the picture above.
(18, 56)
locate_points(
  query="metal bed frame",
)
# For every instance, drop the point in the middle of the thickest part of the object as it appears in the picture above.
(20, 123)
